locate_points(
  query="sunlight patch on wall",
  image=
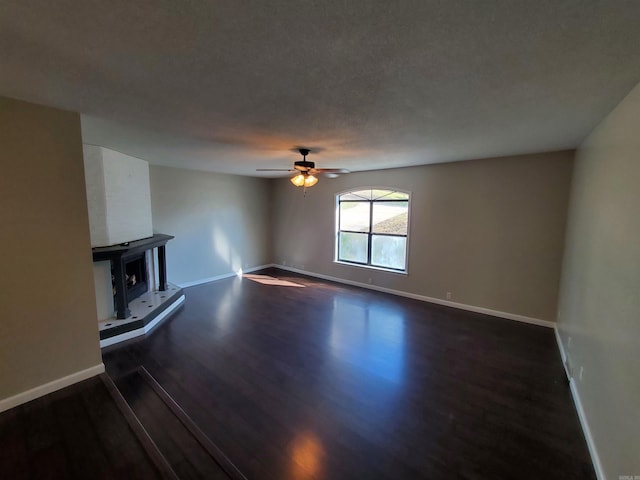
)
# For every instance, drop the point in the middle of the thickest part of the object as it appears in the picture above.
(225, 251)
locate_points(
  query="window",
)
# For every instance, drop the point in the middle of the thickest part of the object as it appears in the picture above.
(372, 228)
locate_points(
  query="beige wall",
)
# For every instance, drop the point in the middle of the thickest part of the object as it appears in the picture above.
(221, 222)
(48, 324)
(489, 231)
(600, 290)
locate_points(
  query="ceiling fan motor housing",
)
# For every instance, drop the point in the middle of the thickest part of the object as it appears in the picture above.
(304, 165)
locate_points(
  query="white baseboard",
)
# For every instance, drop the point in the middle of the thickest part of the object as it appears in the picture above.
(143, 330)
(563, 354)
(47, 388)
(224, 275)
(438, 301)
(575, 394)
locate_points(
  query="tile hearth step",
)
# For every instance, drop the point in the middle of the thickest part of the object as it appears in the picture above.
(147, 311)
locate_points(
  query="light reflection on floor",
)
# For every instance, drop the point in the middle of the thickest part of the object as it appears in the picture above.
(306, 456)
(224, 317)
(267, 280)
(369, 338)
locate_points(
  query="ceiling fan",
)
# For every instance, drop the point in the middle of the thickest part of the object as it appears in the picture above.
(307, 171)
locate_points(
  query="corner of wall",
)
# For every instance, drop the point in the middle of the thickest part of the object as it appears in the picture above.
(50, 387)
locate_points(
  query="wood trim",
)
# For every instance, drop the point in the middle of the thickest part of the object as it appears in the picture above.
(143, 436)
(212, 449)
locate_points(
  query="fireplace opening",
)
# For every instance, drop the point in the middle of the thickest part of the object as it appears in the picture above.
(136, 277)
(135, 259)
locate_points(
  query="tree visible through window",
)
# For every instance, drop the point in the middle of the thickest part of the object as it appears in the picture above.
(372, 228)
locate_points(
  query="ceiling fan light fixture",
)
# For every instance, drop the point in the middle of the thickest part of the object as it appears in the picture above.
(310, 180)
(304, 180)
(298, 180)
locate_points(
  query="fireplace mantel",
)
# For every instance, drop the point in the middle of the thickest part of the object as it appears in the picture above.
(130, 249)
(119, 254)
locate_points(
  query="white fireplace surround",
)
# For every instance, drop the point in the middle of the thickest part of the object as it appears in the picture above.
(119, 201)
(118, 196)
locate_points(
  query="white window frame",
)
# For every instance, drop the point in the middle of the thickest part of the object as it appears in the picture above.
(368, 266)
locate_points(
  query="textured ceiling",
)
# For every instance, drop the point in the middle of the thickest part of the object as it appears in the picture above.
(231, 86)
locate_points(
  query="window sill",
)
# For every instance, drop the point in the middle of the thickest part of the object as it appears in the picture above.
(370, 267)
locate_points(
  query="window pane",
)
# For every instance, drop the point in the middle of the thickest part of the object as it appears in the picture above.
(390, 217)
(354, 216)
(388, 251)
(361, 195)
(352, 247)
(388, 195)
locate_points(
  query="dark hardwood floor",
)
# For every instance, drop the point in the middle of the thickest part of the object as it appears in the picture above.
(334, 382)
(182, 451)
(74, 433)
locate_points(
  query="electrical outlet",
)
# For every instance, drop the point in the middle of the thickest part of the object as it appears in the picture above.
(581, 372)
(448, 295)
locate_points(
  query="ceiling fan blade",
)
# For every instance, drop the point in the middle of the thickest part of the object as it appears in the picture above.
(274, 170)
(332, 170)
(306, 167)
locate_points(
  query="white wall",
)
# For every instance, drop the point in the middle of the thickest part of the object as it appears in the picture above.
(489, 231)
(221, 222)
(600, 291)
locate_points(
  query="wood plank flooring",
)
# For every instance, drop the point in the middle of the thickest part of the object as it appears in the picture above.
(75, 433)
(335, 382)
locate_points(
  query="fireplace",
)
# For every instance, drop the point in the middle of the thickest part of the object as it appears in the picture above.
(129, 270)
(130, 273)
